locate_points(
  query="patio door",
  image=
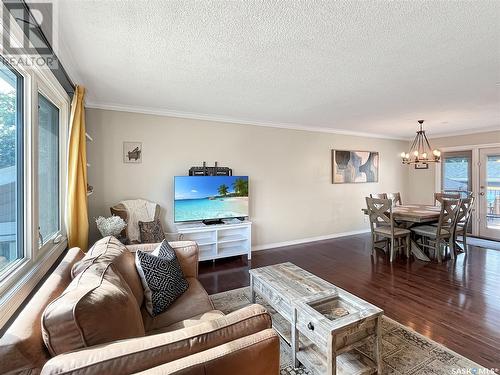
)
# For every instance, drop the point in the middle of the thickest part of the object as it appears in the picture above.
(489, 193)
(456, 175)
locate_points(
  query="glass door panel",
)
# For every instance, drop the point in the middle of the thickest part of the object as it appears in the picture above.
(489, 194)
(456, 172)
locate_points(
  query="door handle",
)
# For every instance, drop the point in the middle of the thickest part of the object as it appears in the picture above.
(481, 193)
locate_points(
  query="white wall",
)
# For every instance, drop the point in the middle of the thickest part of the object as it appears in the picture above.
(291, 194)
(422, 182)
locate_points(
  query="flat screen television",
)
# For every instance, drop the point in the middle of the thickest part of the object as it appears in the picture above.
(209, 198)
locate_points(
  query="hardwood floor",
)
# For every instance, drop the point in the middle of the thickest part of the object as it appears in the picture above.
(456, 303)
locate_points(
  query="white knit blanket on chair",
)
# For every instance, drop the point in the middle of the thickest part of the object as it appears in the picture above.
(138, 210)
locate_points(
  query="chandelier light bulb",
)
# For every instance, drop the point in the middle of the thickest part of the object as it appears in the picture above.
(415, 153)
(403, 155)
(424, 155)
(407, 155)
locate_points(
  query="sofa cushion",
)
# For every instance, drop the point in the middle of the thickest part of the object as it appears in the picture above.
(193, 302)
(161, 276)
(190, 322)
(110, 250)
(96, 308)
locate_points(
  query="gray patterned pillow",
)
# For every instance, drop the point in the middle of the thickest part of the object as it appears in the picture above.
(151, 231)
(161, 276)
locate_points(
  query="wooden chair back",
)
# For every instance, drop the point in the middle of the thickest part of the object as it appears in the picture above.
(395, 198)
(379, 195)
(380, 212)
(465, 212)
(448, 215)
(438, 197)
(461, 193)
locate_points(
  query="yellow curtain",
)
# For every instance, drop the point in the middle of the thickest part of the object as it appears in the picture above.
(76, 213)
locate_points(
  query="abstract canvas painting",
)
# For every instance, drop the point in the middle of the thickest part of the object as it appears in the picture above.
(354, 166)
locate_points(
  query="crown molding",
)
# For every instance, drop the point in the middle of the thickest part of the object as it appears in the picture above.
(464, 132)
(290, 126)
(232, 120)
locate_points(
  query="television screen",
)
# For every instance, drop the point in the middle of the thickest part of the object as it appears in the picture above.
(210, 197)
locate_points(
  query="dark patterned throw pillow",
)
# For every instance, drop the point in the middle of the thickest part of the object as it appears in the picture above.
(151, 231)
(161, 277)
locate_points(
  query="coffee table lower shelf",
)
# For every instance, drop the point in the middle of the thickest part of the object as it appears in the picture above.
(352, 362)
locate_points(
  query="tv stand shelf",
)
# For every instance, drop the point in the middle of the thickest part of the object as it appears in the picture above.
(219, 240)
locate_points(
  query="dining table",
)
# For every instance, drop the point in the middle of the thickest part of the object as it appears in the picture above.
(409, 215)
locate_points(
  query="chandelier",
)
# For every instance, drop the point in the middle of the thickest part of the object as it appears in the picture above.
(421, 151)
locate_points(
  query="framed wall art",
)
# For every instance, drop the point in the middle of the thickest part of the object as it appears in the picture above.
(350, 167)
(132, 152)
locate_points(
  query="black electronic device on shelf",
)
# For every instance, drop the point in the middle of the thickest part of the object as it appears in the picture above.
(210, 171)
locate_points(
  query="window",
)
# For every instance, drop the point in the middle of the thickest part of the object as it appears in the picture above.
(11, 167)
(48, 170)
(34, 116)
(456, 172)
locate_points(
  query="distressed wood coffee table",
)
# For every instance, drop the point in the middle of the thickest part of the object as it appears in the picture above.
(324, 324)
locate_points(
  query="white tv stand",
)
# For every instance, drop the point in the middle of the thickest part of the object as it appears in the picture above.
(232, 238)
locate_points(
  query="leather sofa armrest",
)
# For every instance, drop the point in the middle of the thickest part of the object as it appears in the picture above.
(187, 252)
(249, 355)
(142, 353)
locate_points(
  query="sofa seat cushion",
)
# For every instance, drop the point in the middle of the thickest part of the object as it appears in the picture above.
(190, 322)
(110, 250)
(193, 302)
(96, 308)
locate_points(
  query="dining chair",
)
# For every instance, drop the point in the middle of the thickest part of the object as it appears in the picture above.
(395, 198)
(438, 197)
(382, 225)
(462, 193)
(379, 195)
(462, 222)
(433, 237)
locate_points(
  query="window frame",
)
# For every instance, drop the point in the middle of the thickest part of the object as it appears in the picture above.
(58, 102)
(24, 274)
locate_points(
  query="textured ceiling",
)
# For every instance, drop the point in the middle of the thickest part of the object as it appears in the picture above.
(357, 66)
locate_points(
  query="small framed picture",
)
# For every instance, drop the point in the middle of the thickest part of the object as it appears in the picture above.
(132, 152)
(421, 166)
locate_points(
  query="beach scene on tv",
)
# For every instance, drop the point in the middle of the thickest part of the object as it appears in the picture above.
(210, 197)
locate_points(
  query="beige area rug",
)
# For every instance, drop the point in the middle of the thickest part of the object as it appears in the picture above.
(403, 350)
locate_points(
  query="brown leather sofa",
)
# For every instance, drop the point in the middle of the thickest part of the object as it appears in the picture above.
(191, 337)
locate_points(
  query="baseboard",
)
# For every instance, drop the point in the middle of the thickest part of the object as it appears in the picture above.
(309, 239)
